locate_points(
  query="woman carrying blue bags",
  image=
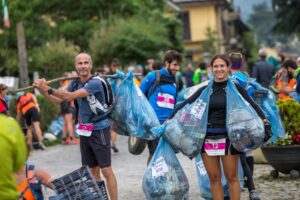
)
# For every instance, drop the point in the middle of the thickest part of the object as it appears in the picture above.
(222, 115)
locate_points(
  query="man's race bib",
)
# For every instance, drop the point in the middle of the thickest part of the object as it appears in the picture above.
(165, 100)
(85, 129)
(215, 147)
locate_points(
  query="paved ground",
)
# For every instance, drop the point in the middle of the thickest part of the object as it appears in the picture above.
(129, 169)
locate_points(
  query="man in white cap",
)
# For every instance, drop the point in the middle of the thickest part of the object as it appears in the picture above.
(263, 71)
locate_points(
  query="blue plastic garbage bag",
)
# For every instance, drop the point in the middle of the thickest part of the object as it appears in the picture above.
(268, 104)
(187, 92)
(132, 111)
(204, 182)
(295, 96)
(56, 126)
(245, 128)
(187, 129)
(164, 178)
(114, 81)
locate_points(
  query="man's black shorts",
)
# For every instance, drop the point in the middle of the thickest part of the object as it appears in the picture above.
(32, 115)
(95, 150)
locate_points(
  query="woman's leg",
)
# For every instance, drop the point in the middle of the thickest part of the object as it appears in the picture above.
(230, 166)
(69, 124)
(212, 166)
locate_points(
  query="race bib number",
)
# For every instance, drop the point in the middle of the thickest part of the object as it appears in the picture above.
(159, 167)
(201, 168)
(85, 129)
(198, 108)
(165, 100)
(215, 147)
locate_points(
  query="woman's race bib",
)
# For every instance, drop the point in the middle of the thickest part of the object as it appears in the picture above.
(85, 129)
(215, 147)
(165, 100)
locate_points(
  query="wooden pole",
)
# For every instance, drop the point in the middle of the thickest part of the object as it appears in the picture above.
(69, 78)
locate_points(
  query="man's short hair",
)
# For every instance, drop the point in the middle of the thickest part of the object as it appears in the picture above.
(289, 63)
(172, 55)
(115, 62)
(83, 53)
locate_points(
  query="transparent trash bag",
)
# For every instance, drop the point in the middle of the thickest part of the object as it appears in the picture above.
(204, 182)
(187, 92)
(268, 105)
(164, 178)
(132, 111)
(187, 129)
(245, 128)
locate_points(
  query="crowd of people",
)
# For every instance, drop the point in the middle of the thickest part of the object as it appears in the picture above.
(87, 101)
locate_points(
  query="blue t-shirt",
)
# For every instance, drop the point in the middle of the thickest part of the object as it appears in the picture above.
(93, 87)
(163, 98)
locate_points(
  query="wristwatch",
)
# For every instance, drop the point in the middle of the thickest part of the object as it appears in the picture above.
(50, 91)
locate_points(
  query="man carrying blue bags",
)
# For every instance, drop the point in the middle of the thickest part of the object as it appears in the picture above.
(161, 88)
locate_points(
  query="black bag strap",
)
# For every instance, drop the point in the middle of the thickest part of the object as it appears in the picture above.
(156, 83)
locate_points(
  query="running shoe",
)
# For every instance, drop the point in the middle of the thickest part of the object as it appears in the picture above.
(114, 148)
(74, 141)
(253, 196)
(41, 145)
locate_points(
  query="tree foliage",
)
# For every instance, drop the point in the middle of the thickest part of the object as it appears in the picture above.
(288, 16)
(130, 40)
(262, 21)
(210, 43)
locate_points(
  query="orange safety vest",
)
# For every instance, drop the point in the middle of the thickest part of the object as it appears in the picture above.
(24, 190)
(290, 85)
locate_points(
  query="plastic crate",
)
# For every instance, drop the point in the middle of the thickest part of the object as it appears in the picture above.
(78, 185)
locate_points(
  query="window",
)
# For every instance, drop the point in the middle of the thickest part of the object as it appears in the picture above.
(185, 18)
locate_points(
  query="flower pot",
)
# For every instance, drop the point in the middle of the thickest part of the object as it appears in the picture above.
(283, 158)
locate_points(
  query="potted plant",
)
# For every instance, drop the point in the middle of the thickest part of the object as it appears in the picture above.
(284, 154)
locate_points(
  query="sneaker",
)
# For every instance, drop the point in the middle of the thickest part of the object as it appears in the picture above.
(65, 141)
(41, 145)
(115, 149)
(253, 196)
(74, 141)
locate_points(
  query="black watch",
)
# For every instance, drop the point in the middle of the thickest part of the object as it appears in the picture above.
(50, 91)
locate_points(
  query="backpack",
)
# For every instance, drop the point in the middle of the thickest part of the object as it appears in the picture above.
(31, 189)
(94, 102)
(159, 81)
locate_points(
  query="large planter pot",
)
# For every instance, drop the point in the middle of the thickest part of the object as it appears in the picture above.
(283, 158)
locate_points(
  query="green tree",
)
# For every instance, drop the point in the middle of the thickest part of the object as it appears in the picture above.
(288, 16)
(210, 43)
(55, 58)
(130, 40)
(262, 21)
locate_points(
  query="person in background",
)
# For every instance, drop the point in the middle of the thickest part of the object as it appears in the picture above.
(247, 159)
(4, 109)
(13, 156)
(66, 111)
(201, 74)
(27, 106)
(149, 66)
(157, 65)
(263, 71)
(286, 81)
(30, 180)
(188, 75)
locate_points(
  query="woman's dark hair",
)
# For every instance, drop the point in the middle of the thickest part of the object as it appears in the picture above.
(221, 56)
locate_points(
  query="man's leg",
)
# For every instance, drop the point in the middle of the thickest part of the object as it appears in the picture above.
(100, 144)
(111, 182)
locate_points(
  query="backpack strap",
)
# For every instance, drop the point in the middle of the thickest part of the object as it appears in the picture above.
(156, 83)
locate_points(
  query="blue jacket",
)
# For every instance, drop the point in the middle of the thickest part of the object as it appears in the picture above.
(163, 98)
